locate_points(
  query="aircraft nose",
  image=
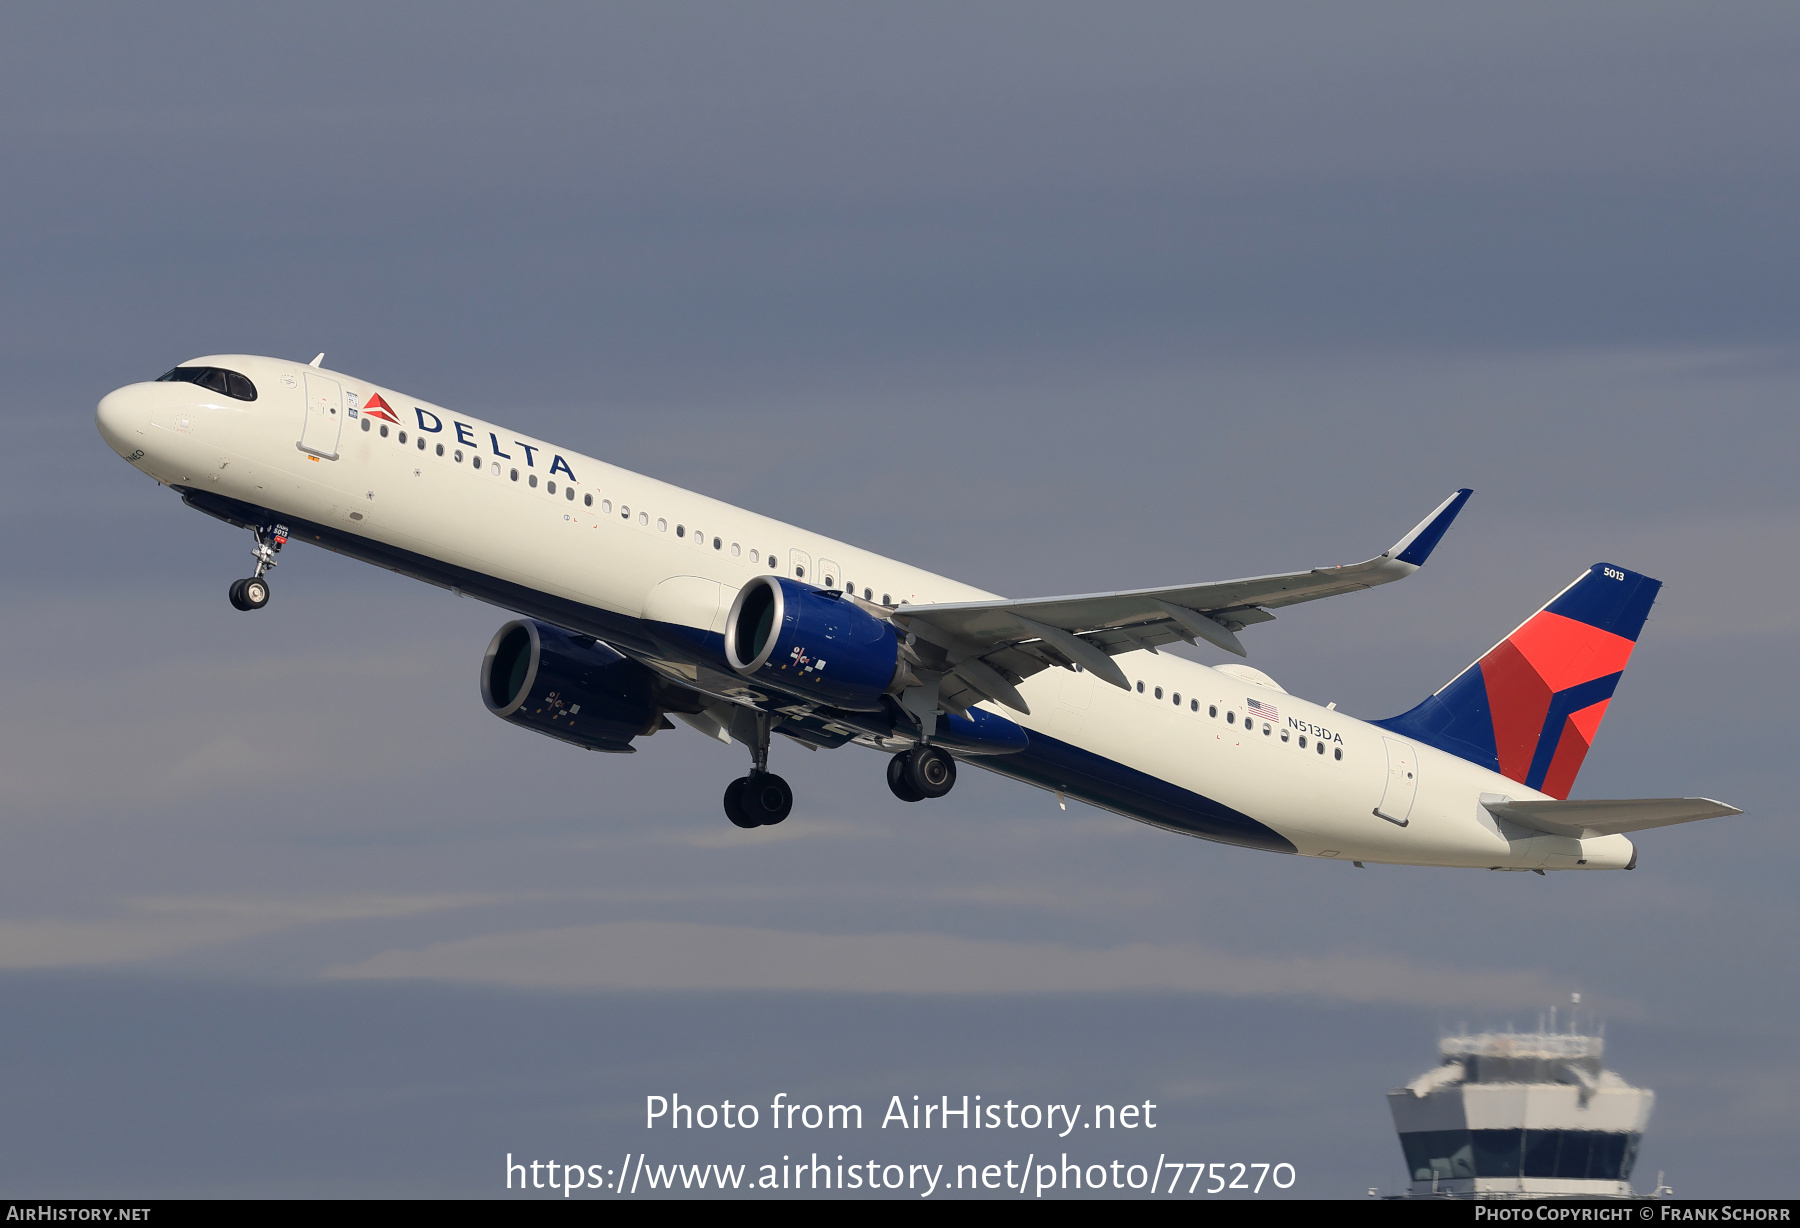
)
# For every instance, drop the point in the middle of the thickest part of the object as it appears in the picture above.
(122, 416)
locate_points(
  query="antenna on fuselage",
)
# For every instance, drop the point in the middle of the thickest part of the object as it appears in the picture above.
(317, 359)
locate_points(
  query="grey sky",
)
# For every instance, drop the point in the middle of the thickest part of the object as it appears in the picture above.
(1051, 299)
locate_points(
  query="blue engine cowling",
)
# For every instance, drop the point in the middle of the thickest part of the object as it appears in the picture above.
(569, 686)
(811, 642)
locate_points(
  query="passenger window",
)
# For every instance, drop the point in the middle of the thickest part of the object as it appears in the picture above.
(1302, 741)
(1337, 752)
(1159, 692)
(1140, 688)
(458, 456)
(756, 556)
(402, 436)
(587, 500)
(422, 446)
(1193, 705)
(1319, 746)
(440, 449)
(644, 519)
(662, 526)
(606, 506)
(531, 481)
(624, 512)
(365, 424)
(384, 430)
(1267, 731)
(680, 530)
(569, 493)
(1177, 699)
(495, 467)
(735, 550)
(515, 475)
(799, 571)
(1284, 735)
(868, 595)
(1231, 718)
(550, 488)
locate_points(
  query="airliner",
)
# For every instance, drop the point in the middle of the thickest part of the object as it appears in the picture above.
(637, 601)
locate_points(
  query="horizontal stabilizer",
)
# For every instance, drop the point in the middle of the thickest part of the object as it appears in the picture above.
(1604, 818)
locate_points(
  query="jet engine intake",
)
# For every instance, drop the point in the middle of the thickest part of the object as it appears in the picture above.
(813, 643)
(568, 686)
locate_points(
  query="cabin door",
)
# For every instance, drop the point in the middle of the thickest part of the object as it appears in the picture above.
(1402, 781)
(324, 416)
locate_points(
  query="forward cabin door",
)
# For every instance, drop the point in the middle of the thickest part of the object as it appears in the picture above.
(1402, 781)
(324, 416)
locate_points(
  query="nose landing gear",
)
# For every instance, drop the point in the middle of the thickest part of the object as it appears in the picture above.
(761, 799)
(922, 772)
(253, 593)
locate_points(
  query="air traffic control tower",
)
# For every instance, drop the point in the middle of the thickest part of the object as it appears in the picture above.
(1520, 1115)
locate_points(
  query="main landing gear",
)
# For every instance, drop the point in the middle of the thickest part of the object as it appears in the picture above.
(761, 799)
(253, 593)
(922, 772)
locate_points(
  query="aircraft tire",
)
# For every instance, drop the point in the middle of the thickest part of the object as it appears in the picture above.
(930, 770)
(255, 593)
(766, 798)
(896, 774)
(734, 805)
(237, 595)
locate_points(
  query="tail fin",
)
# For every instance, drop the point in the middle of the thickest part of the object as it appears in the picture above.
(1529, 708)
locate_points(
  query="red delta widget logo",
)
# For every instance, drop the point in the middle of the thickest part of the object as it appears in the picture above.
(1530, 707)
(378, 408)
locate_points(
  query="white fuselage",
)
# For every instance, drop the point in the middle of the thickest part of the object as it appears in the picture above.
(635, 548)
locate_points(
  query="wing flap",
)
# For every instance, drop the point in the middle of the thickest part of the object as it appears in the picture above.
(1604, 818)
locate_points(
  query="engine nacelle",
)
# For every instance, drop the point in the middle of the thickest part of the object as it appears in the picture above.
(814, 643)
(568, 686)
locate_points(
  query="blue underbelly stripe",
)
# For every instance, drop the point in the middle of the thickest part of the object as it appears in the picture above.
(1109, 784)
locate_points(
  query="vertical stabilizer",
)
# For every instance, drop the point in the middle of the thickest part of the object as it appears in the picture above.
(1529, 708)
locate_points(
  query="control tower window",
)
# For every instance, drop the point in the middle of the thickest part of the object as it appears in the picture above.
(230, 383)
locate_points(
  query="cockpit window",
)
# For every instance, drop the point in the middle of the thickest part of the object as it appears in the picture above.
(216, 378)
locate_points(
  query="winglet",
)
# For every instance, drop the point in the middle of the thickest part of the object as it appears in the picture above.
(316, 361)
(1416, 547)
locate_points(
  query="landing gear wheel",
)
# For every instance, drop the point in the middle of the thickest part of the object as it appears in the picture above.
(734, 805)
(254, 593)
(765, 797)
(896, 773)
(237, 595)
(930, 770)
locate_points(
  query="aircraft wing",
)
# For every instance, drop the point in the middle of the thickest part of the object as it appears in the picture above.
(1605, 818)
(988, 647)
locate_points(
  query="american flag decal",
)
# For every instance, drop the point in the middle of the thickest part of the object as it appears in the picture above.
(1268, 712)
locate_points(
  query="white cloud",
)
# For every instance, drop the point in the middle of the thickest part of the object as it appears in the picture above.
(161, 926)
(675, 955)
